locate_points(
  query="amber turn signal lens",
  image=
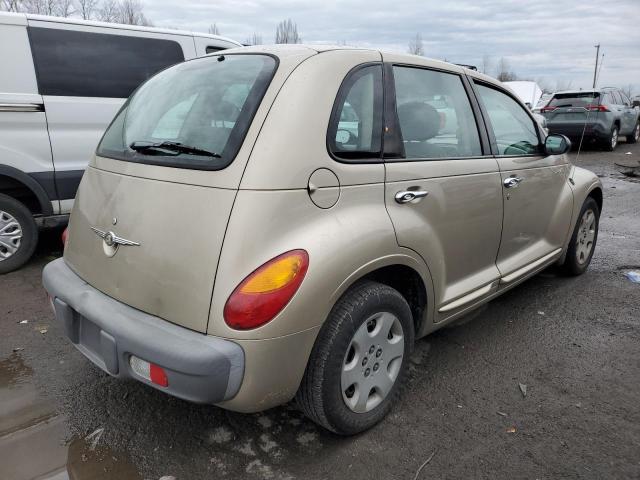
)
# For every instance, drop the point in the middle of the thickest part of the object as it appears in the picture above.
(266, 291)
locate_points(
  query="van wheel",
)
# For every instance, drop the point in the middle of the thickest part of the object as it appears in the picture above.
(18, 234)
(358, 364)
(612, 142)
(635, 135)
(584, 238)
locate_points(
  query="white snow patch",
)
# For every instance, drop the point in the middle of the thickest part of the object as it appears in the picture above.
(306, 439)
(220, 435)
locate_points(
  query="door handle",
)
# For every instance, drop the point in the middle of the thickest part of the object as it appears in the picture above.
(512, 182)
(409, 196)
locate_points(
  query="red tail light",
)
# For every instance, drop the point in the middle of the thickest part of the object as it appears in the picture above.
(65, 237)
(265, 292)
(597, 108)
(547, 109)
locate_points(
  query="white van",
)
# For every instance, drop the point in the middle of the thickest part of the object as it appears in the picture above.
(61, 82)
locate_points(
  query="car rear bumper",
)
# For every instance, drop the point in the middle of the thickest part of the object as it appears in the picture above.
(574, 130)
(199, 368)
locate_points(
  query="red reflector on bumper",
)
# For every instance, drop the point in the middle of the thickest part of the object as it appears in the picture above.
(158, 376)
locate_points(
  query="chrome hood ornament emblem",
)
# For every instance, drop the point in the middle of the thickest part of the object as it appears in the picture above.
(111, 241)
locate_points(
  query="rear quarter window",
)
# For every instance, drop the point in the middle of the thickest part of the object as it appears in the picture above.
(87, 64)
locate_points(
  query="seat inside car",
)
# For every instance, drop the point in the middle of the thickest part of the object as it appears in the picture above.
(420, 123)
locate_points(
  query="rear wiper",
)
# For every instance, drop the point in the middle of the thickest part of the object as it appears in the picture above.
(173, 147)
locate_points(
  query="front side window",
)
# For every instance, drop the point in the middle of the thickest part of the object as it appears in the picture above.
(87, 64)
(355, 129)
(193, 115)
(436, 118)
(514, 129)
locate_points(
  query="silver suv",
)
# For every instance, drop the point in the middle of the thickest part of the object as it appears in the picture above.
(283, 222)
(600, 115)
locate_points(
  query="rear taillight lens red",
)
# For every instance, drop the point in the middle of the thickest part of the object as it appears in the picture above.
(597, 108)
(65, 237)
(265, 292)
(547, 109)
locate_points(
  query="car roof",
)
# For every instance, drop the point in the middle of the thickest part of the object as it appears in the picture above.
(22, 18)
(281, 50)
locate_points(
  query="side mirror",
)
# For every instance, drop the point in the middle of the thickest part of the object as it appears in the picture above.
(557, 144)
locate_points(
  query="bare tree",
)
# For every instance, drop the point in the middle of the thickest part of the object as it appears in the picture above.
(504, 72)
(563, 85)
(213, 29)
(64, 8)
(256, 39)
(131, 13)
(287, 32)
(11, 5)
(109, 11)
(629, 90)
(416, 45)
(87, 8)
(487, 64)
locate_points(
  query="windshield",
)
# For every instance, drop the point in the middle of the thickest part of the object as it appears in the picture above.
(574, 99)
(193, 115)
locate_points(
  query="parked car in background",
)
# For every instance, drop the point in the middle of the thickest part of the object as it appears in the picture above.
(62, 82)
(254, 253)
(600, 115)
(542, 102)
(528, 92)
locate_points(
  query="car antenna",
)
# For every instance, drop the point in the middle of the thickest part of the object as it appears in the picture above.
(586, 120)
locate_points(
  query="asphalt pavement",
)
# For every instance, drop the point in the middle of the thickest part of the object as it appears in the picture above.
(543, 383)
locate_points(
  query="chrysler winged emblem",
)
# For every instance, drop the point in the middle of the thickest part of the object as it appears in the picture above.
(112, 241)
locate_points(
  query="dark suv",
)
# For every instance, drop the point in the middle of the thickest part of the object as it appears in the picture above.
(602, 115)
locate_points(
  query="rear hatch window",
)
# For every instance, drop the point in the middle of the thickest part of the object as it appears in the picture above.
(561, 100)
(194, 115)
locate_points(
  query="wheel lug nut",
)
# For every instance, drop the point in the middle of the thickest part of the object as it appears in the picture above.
(367, 372)
(378, 353)
(371, 349)
(364, 361)
(376, 366)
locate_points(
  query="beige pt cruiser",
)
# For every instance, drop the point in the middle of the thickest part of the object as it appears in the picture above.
(283, 223)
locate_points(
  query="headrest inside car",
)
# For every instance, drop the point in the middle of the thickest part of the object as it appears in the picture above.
(419, 121)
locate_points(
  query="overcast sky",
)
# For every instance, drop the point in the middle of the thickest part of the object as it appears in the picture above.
(551, 40)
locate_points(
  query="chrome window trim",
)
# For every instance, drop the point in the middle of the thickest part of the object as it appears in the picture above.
(21, 107)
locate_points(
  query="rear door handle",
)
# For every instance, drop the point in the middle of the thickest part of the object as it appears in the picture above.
(410, 196)
(512, 182)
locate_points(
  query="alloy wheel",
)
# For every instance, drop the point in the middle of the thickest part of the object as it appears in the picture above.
(636, 132)
(586, 236)
(372, 362)
(10, 235)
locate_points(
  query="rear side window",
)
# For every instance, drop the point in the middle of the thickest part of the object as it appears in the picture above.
(86, 64)
(194, 115)
(355, 129)
(514, 129)
(436, 119)
(577, 99)
(211, 49)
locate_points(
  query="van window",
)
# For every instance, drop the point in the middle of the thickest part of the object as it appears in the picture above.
(514, 129)
(355, 130)
(86, 64)
(436, 119)
(193, 115)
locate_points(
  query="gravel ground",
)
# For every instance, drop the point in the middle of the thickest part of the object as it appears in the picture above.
(574, 343)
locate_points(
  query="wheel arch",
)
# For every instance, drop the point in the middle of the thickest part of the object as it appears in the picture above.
(17, 184)
(408, 275)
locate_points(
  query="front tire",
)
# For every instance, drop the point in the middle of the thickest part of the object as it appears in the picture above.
(584, 238)
(358, 364)
(635, 135)
(18, 234)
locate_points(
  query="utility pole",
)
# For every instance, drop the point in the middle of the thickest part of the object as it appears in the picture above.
(595, 71)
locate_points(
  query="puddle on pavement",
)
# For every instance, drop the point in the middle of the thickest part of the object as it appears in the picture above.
(32, 436)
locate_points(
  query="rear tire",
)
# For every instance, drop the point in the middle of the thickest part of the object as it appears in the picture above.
(635, 135)
(612, 142)
(18, 234)
(358, 364)
(584, 239)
